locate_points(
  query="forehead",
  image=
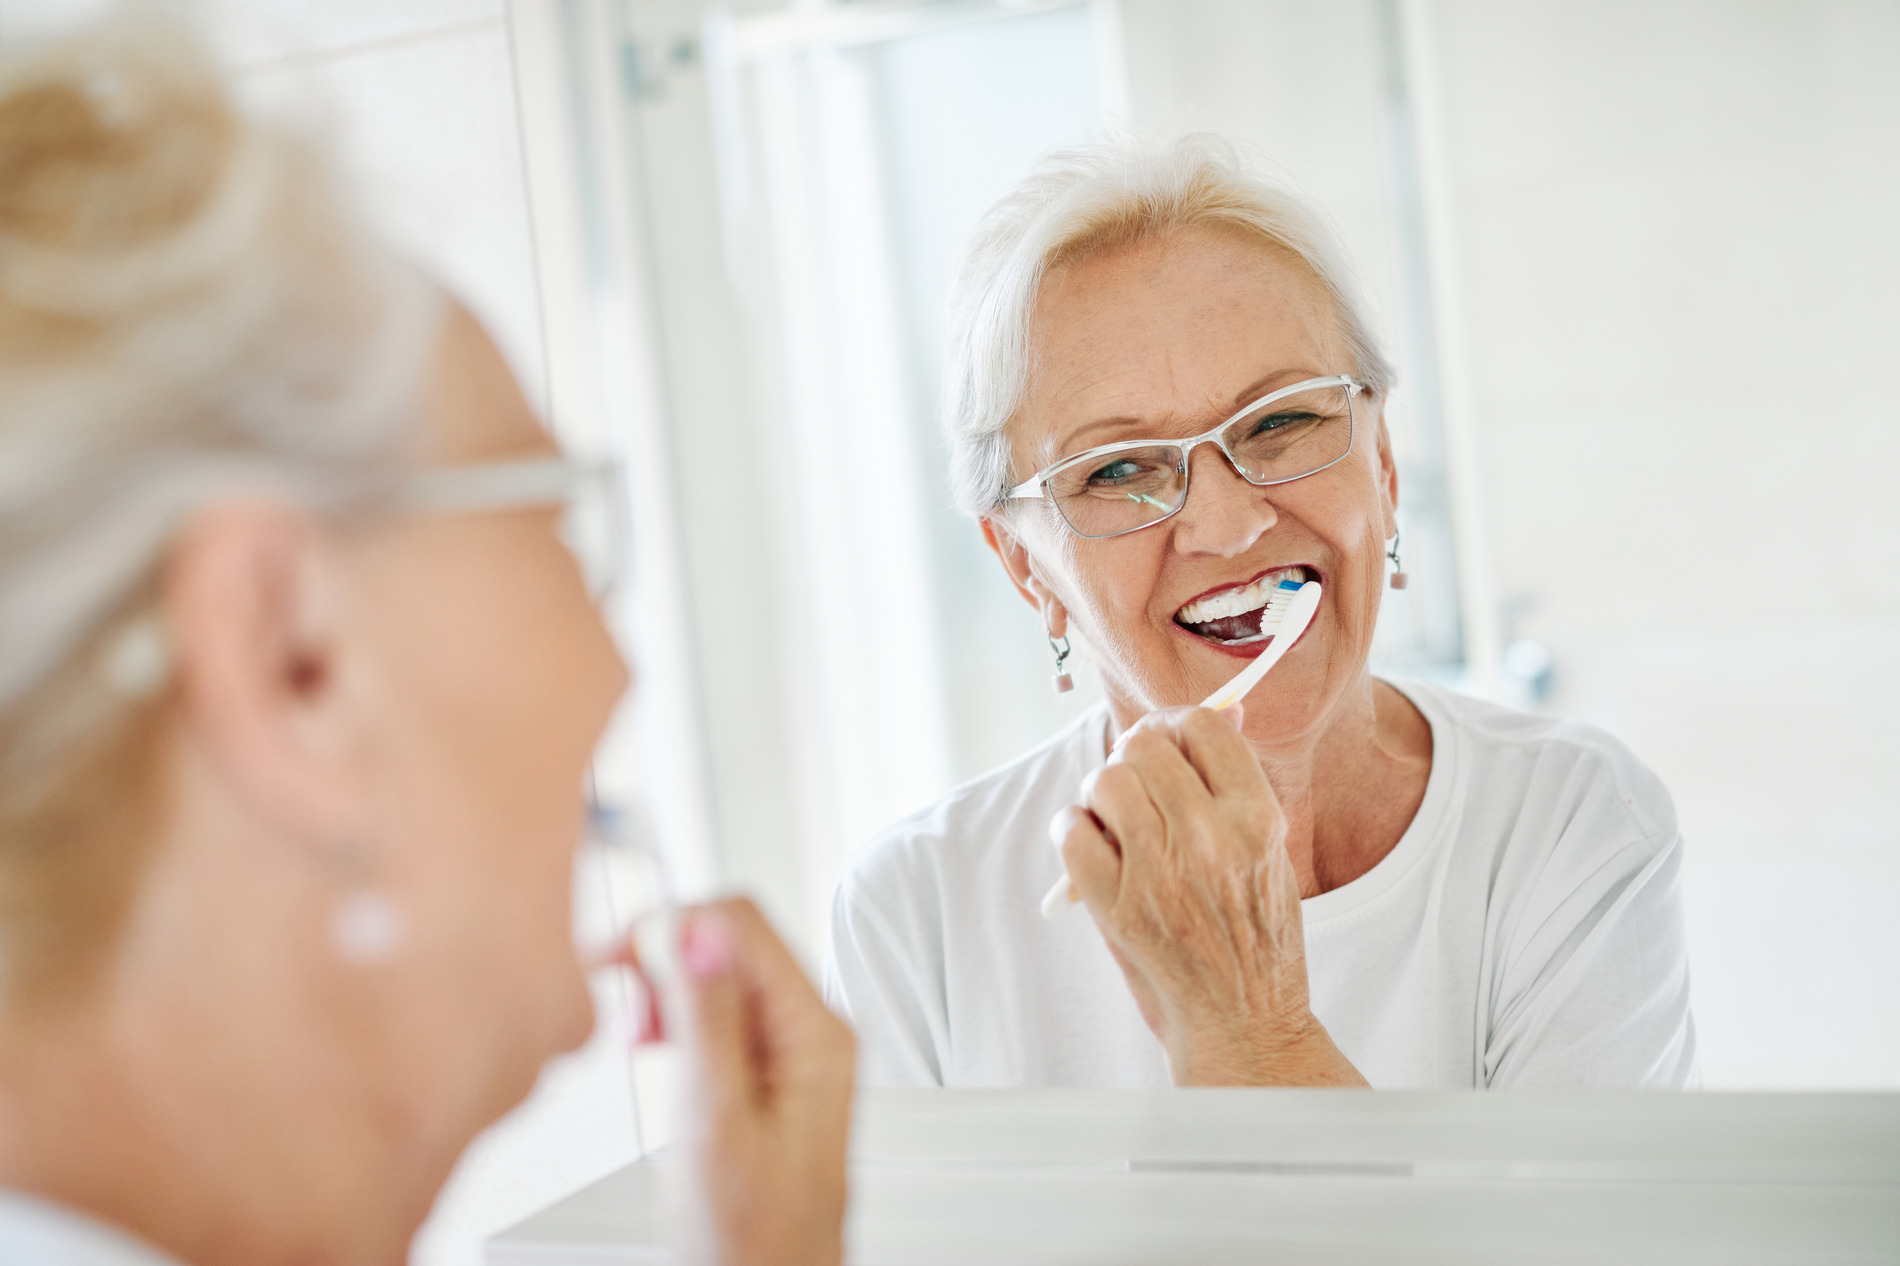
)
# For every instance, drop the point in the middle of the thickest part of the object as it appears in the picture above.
(475, 410)
(1165, 336)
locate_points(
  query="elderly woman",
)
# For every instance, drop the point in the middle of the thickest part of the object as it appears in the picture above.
(298, 688)
(1164, 399)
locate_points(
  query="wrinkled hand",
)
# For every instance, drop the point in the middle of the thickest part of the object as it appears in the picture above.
(775, 1071)
(1179, 850)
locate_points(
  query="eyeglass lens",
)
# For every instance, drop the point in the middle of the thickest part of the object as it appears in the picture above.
(1106, 494)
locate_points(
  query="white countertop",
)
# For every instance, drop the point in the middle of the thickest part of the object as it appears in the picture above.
(1301, 1176)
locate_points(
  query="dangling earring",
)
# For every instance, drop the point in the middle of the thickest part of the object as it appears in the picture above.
(1399, 578)
(366, 926)
(137, 662)
(1064, 681)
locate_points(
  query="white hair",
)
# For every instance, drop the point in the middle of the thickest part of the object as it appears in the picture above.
(1116, 192)
(187, 309)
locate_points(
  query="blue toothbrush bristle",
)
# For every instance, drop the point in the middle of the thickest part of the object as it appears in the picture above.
(1289, 584)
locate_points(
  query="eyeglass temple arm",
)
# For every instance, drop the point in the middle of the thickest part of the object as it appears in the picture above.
(1031, 487)
(499, 485)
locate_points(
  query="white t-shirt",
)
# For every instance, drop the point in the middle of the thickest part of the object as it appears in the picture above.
(36, 1232)
(1525, 930)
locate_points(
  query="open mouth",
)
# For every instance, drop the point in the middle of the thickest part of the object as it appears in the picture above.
(1231, 616)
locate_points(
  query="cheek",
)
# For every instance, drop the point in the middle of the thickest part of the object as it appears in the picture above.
(1354, 535)
(1110, 590)
(499, 683)
(1115, 582)
(516, 690)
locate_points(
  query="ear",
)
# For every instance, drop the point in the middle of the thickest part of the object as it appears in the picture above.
(1388, 470)
(252, 605)
(1021, 568)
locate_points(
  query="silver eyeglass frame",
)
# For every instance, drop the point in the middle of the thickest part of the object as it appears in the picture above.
(505, 485)
(524, 483)
(1037, 485)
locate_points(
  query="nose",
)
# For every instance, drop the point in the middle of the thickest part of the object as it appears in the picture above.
(629, 674)
(1224, 514)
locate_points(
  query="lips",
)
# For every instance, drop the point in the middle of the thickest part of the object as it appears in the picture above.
(1232, 614)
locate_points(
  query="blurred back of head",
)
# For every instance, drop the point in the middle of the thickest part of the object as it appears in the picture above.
(188, 310)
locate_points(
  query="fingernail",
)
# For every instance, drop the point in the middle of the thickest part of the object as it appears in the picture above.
(1237, 713)
(707, 951)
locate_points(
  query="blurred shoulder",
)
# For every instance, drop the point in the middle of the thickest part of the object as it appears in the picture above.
(981, 824)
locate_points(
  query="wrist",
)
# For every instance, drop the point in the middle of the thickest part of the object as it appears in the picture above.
(1300, 1053)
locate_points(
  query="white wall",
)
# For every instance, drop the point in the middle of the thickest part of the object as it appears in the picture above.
(1682, 298)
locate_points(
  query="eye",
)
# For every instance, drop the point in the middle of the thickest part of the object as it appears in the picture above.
(1119, 471)
(1281, 421)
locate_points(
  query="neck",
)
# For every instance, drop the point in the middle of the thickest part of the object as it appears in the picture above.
(83, 1123)
(185, 1096)
(1353, 789)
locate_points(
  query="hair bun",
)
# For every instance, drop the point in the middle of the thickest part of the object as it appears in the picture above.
(122, 172)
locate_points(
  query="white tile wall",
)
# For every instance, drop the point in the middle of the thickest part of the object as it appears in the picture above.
(420, 97)
(266, 30)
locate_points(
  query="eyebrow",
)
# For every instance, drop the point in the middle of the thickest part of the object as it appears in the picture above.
(1242, 398)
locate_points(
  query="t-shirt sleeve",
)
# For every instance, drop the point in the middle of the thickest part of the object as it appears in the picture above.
(877, 979)
(1594, 988)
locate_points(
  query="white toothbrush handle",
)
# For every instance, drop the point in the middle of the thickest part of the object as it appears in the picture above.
(1298, 615)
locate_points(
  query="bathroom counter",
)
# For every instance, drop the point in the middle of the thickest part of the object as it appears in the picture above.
(1315, 1176)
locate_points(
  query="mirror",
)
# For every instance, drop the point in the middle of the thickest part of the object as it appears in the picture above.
(1609, 261)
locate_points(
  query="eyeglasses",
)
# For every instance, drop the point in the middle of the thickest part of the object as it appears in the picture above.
(592, 520)
(136, 661)
(1118, 488)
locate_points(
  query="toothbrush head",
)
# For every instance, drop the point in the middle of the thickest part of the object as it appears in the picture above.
(1279, 602)
(1278, 605)
(1288, 614)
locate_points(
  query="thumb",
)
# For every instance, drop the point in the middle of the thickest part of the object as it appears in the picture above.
(716, 1004)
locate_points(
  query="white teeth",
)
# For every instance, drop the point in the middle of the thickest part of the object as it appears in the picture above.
(1238, 601)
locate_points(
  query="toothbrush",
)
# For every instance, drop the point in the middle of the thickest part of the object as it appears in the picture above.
(1289, 611)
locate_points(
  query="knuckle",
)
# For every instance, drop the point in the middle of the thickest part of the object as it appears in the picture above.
(1075, 846)
(1063, 824)
(1205, 722)
(1175, 718)
(1113, 782)
(1143, 745)
(1074, 856)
